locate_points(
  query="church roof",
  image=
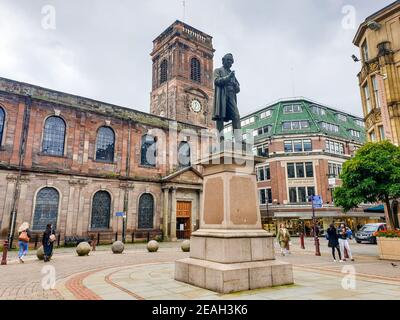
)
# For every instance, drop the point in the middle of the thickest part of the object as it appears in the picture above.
(87, 104)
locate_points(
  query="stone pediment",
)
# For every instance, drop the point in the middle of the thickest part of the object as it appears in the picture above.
(185, 176)
(197, 92)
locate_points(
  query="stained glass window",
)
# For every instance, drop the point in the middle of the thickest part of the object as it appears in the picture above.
(2, 121)
(163, 71)
(148, 151)
(195, 71)
(105, 144)
(184, 154)
(146, 211)
(101, 209)
(54, 136)
(46, 209)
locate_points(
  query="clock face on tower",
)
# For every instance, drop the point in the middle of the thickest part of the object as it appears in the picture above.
(196, 106)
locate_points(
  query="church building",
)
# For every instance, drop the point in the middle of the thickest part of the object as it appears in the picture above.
(76, 162)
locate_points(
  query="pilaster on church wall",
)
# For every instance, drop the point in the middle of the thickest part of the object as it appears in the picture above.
(17, 133)
(6, 200)
(24, 210)
(3, 195)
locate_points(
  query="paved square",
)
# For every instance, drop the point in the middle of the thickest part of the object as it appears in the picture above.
(139, 275)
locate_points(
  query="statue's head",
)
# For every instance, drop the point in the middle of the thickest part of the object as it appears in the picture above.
(227, 60)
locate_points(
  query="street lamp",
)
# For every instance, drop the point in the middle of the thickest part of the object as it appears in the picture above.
(313, 199)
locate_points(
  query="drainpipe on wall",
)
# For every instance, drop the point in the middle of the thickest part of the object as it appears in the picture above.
(17, 188)
(126, 191)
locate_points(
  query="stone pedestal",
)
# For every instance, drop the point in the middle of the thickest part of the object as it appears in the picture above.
(231, 252)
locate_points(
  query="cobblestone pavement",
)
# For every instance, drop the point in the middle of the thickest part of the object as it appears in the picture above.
(137, 274)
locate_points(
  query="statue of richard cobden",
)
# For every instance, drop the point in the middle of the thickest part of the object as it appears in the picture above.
(225, 101)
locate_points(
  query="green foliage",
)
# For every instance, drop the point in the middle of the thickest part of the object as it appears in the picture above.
(388, 234)
(372, 175)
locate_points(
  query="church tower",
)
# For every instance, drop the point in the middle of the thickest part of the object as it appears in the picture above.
(182, 87)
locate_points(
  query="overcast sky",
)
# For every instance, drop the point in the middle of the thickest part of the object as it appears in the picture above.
(100, 48)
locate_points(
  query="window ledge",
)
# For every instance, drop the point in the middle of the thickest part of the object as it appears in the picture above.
(148, 167)
(104, 162)
(51, 155)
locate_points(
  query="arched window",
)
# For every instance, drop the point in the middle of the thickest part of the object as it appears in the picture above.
(195, 71)
(54, 136)
(184, 154)
(101, 210)
(105, 144)
(163, 71)
(146, 211)
(2, 122)
(46, 209)
(149, 151)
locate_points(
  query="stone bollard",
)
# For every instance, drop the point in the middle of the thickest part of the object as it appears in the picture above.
(40, 253)
(5, 251)
(185, 246)
(117, 247)
(83, 249)
(153, 246)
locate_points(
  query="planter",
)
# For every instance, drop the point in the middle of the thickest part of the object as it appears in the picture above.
(389, 248)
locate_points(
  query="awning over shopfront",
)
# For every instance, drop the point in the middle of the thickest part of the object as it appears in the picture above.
(379, 209)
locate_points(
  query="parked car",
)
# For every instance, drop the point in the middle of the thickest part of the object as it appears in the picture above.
(367, 232)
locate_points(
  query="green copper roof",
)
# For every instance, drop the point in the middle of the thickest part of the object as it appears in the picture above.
(315, 120)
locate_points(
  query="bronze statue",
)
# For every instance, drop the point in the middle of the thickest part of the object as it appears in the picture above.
(225, 101)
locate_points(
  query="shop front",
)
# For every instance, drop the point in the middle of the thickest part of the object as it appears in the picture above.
(302, 221)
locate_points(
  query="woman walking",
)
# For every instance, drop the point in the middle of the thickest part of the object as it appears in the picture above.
(24, 235)
(333, 242)
(283, 238)
(344, 241)
(47, 241)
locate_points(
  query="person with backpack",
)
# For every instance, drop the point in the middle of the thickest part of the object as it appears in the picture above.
(333, 241)
(344, 236)
(48, 241)
(24, 235)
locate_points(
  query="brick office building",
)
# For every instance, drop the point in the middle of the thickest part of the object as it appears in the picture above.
(305, 145)
(75, 162)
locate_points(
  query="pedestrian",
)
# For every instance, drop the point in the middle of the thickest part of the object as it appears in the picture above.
(24, 235)
(343, 234)
(47, 241)
(283, 238)
(333, 241)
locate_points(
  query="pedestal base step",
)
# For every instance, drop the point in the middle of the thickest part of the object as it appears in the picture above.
(233, 277)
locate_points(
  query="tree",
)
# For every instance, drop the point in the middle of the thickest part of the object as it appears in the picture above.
(372, 175)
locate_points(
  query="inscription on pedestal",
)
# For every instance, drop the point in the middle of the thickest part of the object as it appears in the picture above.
(243, 201)
(214, 201)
